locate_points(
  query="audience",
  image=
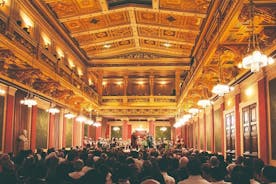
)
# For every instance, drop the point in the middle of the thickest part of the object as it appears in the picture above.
(117, 166)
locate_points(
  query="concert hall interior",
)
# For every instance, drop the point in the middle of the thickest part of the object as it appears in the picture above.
(199, 73)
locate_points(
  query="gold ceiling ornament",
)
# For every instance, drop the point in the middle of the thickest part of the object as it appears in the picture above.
(220, 89)
(255, 58)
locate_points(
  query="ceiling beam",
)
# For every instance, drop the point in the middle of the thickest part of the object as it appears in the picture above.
(105, 42)
(87, 45)
(90, 15)
(134, 28)
(153, 60)
(81, 33)
(104, 53)
(139, 68)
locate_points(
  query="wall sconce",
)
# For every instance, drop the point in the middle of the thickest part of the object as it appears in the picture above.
(2, 92)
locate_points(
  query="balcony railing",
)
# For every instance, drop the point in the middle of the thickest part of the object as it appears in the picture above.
(139, 100)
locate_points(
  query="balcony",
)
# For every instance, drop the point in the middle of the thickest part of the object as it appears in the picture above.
(139, 101)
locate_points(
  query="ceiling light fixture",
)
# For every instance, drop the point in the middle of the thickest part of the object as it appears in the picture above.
(107, 46)
(69, 115)
(166, 44)
(90, 120)
(97, 124)
(163, 129)
(2, 92)
(116, 128)
(193, 111)
(204, 103)
(53, 109)
(255, 58)
(220, 89)
(29, 100)
(81, 119)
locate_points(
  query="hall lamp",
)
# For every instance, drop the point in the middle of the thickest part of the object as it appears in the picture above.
(116, 128)
(163, 129)
(220, 89)
(255, 58)
(2, 92)
(53, 109)
(69, 115)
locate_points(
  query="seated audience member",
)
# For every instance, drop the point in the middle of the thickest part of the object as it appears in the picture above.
(77, 165)
(206, 171)
(149, 181)
(239, 175)
(163, 165)
(150, 171)
(248, 164)
(217, 175)
(194, 170)
(258, 165)
(179, 171)
(269, 175)
(7, 170)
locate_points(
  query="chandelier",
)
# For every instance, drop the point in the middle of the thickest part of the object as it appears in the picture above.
(163, 129)
(255, 58)
(204, 103)
(193, 111)
(69, 115)
(89, 122)
(182, 121)
(53, 109)
(29, 100)
(81, 119)
(221, 89)
(116, 128)
(97, 124)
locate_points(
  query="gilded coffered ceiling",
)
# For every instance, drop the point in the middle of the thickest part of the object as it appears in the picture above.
(106, 28)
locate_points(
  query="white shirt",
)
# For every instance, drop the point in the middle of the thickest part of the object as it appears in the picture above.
(168, 179)
(194, 180)
(220, 182)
